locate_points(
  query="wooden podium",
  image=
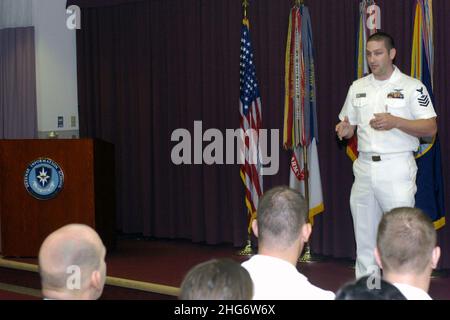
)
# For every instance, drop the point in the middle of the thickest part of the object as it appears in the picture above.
(87, 195)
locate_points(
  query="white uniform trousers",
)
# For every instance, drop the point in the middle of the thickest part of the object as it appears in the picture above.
(382, 182)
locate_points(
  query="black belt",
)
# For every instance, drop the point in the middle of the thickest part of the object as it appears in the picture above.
(367, 156)
(376, 158)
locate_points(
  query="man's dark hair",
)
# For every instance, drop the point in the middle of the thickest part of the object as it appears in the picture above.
(360, 290)
(217, 279)
(383, 36)
(281, 214)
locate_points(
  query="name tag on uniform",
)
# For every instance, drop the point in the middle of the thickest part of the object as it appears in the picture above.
(360, 95)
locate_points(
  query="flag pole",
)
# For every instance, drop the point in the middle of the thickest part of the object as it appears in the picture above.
(306, 257)
(247, 250)
(245, 5)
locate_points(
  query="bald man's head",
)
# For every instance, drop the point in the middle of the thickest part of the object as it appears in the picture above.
(74, 250)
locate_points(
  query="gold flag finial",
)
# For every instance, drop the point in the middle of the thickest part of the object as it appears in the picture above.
(298, 3)
(245, 5)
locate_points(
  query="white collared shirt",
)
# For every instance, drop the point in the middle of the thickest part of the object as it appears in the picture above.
(277, 279)
(412, 293)
(400, 95)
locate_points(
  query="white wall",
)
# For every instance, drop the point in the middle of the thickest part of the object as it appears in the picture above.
(56, 69)
(15, 13)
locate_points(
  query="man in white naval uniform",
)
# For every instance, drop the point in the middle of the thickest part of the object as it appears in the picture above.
(391, 111)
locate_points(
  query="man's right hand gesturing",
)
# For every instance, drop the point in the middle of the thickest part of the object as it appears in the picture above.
(344, 129)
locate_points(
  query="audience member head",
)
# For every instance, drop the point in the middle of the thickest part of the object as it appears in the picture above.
(217, 279)
(406, 241)
(282, 221)
(368, 288)
(406, 247)
(72, 264)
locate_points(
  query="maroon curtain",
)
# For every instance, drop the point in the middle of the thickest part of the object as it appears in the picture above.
(18, 115)
(149, 67)
(442, 98)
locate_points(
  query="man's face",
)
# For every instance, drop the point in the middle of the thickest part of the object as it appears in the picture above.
(379, 59)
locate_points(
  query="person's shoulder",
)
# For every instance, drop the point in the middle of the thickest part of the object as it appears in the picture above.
(251, 263)
(246, 263)
(322, 294)
(311, 290)
(413, 82)
(316, 293)
(361, 82)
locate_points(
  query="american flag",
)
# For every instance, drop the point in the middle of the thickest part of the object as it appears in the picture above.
(250, 122)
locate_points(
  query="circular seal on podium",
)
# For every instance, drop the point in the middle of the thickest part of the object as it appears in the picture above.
(43, 179)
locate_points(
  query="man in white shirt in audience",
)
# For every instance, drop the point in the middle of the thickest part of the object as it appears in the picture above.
(282, 229)
(407, 252)
(72, 264)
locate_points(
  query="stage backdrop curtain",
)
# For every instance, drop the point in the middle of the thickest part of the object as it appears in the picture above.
(18, 115)
(146, 68)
